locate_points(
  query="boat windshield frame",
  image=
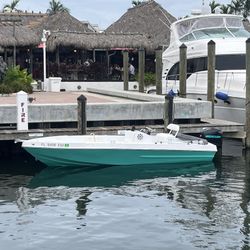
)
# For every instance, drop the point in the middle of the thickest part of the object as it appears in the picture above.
(209, 27)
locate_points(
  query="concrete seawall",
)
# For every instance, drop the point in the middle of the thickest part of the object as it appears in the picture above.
(140, 107)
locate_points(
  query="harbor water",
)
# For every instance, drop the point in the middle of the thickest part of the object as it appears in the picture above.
(194, 206)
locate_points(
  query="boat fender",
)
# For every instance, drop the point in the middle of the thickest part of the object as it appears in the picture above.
(171, 93)
(222, 96)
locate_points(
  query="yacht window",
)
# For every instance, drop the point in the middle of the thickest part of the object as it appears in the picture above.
(234, 22)
(187, 38)
(210, 27)
(173, 73)
(239, 32)
(223, 62)
(212, 33)
(230, 62)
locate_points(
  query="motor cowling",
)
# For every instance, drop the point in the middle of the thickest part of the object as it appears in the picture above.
(213, 136)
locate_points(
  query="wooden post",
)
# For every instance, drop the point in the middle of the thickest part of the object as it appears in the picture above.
(82, 118)
(168, 110)
(125, 70)
(247, 124)
(5, 55)
(158, 70)
(31, 59)
(211, 73)
(183, 71)
(141, 69)
(14, 47)
(58, 59)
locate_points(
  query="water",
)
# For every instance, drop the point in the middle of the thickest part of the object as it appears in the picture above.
(202, 206)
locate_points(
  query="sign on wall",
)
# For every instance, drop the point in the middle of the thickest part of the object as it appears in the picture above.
(22, 110)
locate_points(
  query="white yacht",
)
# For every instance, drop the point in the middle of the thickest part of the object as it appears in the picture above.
(229, 35)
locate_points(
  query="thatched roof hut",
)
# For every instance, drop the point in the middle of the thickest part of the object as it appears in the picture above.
(16, 29)
(61, 21)
(22, 36)
(97, 40)
(25, 29)
(148, 18)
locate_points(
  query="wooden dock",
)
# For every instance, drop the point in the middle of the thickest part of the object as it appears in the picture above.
(229, 129)
(108, 107)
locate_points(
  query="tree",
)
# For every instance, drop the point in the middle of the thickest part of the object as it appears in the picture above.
(246, 8)
(56, 6)
(225, 9)
(136, 3)
(11, 7)
(237, 6)
(213, 5)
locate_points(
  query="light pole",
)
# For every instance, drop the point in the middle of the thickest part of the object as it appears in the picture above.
(46, 33)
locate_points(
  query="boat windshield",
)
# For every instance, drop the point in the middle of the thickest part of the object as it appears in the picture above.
(210, 27)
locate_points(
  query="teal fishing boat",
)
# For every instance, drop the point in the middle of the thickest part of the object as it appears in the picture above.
(125, 148)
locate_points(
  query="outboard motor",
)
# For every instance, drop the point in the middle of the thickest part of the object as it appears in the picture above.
(213, 136)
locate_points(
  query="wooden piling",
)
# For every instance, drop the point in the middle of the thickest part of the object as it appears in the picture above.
(168, 110)
(141, 69)
(247, 124)
(158, 70)
(211, 74)
(82, 117)
(125, 70)
(183, 71)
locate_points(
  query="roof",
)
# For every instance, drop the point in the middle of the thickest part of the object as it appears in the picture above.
(65, 31)
(148, 18)
(25, 29)
(16, 28)
(62, 21)
(97, 40)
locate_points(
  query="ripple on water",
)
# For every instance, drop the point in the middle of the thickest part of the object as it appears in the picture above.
(142, 210)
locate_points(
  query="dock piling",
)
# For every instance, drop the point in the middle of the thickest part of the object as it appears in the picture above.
(247, 124)
(82, 117)
(168, 110)
(183, 71)
(125, 70)
(141, 69)
(211, 73)
(158, 70)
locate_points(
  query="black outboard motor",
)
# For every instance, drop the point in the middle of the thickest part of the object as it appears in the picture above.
(213, 136)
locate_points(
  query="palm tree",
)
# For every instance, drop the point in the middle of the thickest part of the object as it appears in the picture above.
(246, 8)
(225, 9)
(11, 7)
(213, 5)
(56, 6)
(236, 6)
(136, 3)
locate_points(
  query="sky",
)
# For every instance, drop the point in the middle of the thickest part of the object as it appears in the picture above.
(105, 12)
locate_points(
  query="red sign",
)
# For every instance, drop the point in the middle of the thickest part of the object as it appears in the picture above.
(40, 46)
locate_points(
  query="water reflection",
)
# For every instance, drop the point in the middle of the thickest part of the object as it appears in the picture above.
(201, 205)
(113, 176)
